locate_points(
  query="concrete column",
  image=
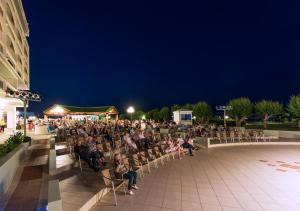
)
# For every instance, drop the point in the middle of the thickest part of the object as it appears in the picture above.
(11, 117)
(52, 161)
(54, 199)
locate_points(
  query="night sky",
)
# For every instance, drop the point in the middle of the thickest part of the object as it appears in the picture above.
(150, 54)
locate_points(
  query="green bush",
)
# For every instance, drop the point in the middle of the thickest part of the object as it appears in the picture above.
(11, 143)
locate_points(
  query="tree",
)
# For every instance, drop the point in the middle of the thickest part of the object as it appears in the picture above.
(294, 107)
(156, 115)
(138, 115)
(164, 113)
(175, 107)
(202, 111)
(267, 109)
(241, 108)
(188, 106)
(152, 114)
(123, 116)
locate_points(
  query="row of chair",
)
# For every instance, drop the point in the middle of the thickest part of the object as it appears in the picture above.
(240, 136)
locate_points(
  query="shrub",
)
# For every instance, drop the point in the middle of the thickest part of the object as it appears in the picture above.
(11, 143)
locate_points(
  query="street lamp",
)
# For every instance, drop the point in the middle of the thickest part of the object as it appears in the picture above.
(25, 96)
(130, 110)
(224, 109)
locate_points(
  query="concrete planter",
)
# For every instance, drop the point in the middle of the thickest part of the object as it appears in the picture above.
(9, 165)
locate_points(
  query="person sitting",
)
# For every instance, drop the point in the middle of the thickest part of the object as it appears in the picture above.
(129, 142)
(187, 144)
(82, 151)
(122, 171)
(99, 159)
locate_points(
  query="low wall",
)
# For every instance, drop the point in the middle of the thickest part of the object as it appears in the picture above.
(282, 133)
(9, 165)
(253, 143)
(54, 199)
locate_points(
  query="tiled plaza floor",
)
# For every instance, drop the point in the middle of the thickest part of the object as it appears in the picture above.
(228, 178)
(29, 193)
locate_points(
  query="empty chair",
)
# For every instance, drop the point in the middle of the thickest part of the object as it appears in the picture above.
(224, 134)
(158, 155)
(232, 135)
(219, 137)
(144, 159)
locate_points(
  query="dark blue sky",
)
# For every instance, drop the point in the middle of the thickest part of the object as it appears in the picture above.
(151, 54)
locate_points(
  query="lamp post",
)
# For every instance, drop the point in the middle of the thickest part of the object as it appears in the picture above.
(224, 109)
(130, 110)
(25, 96)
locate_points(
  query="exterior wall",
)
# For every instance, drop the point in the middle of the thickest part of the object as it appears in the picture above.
(14, 49)
(177, 119)
(14, 56)
(9, 165)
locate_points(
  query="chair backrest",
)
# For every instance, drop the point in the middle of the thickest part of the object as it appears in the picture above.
(106, 177)
(98, 139)
(126, 161)
(143, 156)
(81, 138)
(150, 152)
(107, 147)
(156, 150)
(135, 159)
(124, 156)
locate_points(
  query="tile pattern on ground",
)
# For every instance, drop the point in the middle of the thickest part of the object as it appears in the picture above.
(228, 178)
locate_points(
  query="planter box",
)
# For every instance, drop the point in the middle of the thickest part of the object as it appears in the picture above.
(9, 165)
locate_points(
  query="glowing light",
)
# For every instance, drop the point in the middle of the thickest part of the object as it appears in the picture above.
(143, 117)
(226, 117)
(130, 110)
(194, 117)
(57, 109)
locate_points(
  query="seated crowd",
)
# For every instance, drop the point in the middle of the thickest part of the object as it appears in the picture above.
(121, 137)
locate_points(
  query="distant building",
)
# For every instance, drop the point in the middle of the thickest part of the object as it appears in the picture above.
(14, 58)
(183, 117)
(75, 112)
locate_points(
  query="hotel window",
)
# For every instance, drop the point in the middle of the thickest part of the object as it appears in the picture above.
(25, 51)
(19, 37)
(19, 74)
(1, 85)
(11, 63)
(11, 46)
(10, 16)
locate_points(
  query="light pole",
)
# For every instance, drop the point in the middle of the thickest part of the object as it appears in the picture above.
(224, 109)
(130, 110)
(25, 96)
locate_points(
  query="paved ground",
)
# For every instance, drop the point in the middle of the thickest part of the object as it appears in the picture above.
(28, 191)
(228, 178)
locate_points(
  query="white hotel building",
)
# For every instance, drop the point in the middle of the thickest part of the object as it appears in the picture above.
(14, 58)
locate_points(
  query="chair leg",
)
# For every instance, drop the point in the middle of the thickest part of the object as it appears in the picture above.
(80, 166)
(155, 163)
(104, 189)
(113, 187)
(148, 164)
